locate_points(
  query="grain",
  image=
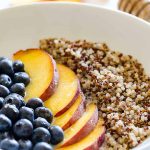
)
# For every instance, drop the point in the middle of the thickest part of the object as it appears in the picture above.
(116, 82)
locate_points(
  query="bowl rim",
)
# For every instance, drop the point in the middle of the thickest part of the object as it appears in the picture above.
(80, 4)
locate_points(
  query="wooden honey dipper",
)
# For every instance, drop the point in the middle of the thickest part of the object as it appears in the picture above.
(139, 8)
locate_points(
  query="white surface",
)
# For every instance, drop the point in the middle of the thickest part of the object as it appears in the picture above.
(4, 3)
(22, 27)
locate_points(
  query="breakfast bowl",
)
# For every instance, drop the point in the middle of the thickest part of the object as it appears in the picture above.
(22, 27)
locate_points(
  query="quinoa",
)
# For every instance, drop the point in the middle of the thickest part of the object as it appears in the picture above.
(116, 82)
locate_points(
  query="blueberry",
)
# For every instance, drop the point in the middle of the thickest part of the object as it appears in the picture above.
(41, 135)
(22, 77)
(44, 113)
(23, 128)
(57, 134)
(5, 123)
(9, 144)
(27, 113)
(42, 146)
(4, 135)
(14, 99)
(2, 58)
(10, 111)
(34, 103)
(25, 144)
(4, 91)
(18, 66)
(6, 67)
(18, 88)
(41, 122)
(1, 102)
(5, 80)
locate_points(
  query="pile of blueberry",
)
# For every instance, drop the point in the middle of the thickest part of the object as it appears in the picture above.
(23, 126)
(13, 78)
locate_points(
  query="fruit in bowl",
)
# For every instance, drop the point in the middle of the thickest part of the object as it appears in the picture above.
(39, 99)
(82, 127)
(66, 93)
(72, 114)
(23, 125)
(92, 141)
(45, 75)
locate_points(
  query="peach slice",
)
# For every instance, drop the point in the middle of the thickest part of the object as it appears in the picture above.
(42, 70)
(72, 114)
(66, 93)
(92, 141)
(82, 127)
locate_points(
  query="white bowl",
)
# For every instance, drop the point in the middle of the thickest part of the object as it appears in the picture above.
(22, 27)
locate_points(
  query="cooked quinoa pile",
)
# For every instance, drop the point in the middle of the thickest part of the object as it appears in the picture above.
(116, 82)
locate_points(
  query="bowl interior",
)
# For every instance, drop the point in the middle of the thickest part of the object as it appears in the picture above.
(22, 27)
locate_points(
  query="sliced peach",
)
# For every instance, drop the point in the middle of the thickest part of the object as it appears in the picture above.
(92, 141)
(66, 92)
(82, 127)
(42, 70)
(72, 114)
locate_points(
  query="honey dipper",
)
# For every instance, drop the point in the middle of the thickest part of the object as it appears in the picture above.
(139, 8)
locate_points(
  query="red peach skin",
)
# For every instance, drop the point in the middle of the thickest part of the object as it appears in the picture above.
(72, 114)
(82, 127)
(67, 91)
(92, 141)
